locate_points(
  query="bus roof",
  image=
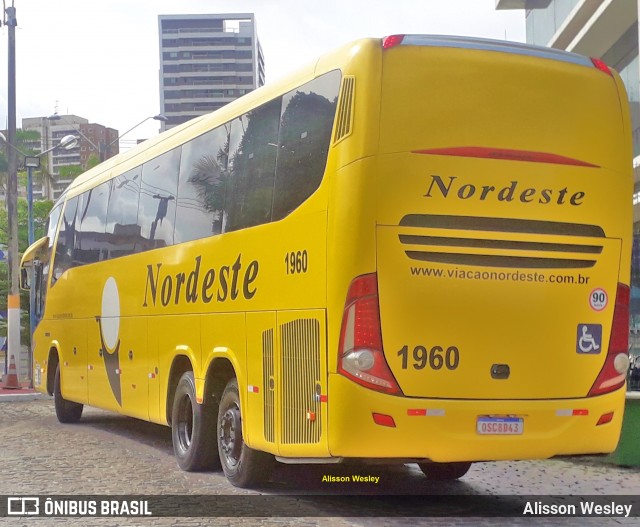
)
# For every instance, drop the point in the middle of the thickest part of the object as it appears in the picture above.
(449, 41)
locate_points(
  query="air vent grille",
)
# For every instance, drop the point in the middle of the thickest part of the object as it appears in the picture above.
(301, 420)
(344, 123)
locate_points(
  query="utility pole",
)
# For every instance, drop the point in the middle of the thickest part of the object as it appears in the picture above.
(13, 300)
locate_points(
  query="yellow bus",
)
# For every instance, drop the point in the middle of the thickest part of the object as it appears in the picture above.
(417, 249)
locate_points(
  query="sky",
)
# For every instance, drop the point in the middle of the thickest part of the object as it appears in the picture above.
(100, 59)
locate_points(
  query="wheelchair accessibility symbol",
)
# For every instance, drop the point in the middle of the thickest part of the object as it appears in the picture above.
(589, 339)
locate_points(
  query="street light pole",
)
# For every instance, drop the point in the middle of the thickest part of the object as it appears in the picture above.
(158, 117)
(13, 298)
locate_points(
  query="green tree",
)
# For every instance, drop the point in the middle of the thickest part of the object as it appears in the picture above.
(70, 172)
(26, 141)
(41, 211)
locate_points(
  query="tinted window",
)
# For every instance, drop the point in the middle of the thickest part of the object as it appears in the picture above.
(252, 160)
(122, 230)
(158, 193)
(305, 133)
(64, 257)
(52, 223)
(202, 184)
(90, 222)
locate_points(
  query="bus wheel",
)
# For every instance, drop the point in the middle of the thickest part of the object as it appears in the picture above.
(444, 471)
(193, 428)
(66, 411)
(243, 466)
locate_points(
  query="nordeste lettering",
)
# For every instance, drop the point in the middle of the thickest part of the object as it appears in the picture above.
(227, 282)
(511, 192)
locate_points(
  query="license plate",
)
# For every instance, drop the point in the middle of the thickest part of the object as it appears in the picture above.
(500, 425)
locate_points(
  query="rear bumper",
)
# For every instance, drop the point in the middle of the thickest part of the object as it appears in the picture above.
(448, 431)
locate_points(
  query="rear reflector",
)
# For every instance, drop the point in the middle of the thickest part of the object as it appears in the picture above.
(571, 412)
(505, 154)
(392, 41)
(383, 420)
(436, 412)
(605, 418)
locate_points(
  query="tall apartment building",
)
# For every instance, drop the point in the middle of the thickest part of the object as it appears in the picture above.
(206, 61)
(93, 140)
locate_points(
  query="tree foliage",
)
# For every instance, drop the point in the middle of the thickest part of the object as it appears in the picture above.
(41, 211)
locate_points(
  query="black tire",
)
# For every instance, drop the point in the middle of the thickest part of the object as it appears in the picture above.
(193, 428)
(444, 471)
(243, 466)
(66, 411)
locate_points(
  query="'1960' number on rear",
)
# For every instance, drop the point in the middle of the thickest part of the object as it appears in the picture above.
(436, 358)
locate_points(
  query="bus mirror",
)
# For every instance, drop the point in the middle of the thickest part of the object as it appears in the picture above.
(25, 278)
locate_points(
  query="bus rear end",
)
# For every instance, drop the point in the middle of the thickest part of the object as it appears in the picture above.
(493, 323)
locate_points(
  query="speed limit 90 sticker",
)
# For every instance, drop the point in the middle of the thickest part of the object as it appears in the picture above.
(598, 299)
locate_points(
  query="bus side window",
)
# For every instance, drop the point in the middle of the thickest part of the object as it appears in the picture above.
(305, 134)
(52, 226)
(91, 219)
(40, 288)
(203, 167)
(252, 164)
(122, 230)
(157, 207)
(64, 253)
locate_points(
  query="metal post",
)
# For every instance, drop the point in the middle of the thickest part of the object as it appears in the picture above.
(30, 203)
(32, 292)
(13, 300)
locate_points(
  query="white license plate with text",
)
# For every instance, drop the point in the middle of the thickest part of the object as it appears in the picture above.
(500, 425)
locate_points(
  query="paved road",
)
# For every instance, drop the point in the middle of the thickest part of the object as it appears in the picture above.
(110, 454)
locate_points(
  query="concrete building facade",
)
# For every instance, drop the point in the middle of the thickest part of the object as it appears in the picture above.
(206, 61)
(93, 140)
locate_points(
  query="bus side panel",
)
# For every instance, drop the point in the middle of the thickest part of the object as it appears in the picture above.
(223, 337)
(169, 337)
(73, 358)
(159, 378)
(41, 344)
(135, 367)
(260, 416)
(351, 235)
(103, 377)
(301, 386)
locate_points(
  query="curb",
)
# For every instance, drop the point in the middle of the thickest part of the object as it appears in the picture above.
(17, 397)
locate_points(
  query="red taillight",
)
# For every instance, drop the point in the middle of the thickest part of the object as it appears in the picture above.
(601, 66)
(361, 358)
(391, 41)
(614, 372)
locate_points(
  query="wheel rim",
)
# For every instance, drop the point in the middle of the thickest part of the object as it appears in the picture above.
(185, 423)
(231, 436)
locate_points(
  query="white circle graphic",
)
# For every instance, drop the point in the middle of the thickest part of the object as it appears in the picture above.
(110, 313)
